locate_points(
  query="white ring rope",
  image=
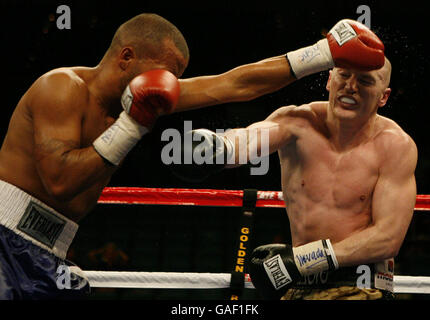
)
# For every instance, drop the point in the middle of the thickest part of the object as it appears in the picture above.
(207, 197)
(183, 280)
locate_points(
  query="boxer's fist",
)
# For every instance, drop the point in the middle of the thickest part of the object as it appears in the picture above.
(149, 95)
(276, 267)
(353, 45)
(273, 270)
(349, 44)
(207, 154)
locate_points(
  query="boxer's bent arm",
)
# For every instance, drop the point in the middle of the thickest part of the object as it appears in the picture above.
(265, 137)
(242, 83)
(392, 210)
(66, 169)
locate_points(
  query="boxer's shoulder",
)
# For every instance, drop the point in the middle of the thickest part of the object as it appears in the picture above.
(62, 86)
(301, 118)
(390, 138)
(388, 129)
(310, 111)
(69, 75)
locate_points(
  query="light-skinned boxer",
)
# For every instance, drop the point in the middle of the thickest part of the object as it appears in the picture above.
(347, 175)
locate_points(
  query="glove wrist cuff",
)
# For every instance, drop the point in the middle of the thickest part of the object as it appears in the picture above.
(312, 59)
(315, 257)
(115, 143)
(331, 257)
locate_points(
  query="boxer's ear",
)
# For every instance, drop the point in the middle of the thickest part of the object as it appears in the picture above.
(126, 56)
(383, 101)
(329, 80)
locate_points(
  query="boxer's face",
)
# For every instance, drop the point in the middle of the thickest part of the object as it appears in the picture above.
(357, 94)
(146, 64)
(169, 59)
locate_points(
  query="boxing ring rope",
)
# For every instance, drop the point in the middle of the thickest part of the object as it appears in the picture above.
(183, 280)
(208, 197)
(205, 197)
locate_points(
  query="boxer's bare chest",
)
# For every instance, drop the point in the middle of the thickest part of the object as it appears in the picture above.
(315, 173)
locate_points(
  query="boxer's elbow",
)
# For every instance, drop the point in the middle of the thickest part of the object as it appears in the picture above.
(59, 191)
(390, 247)
(63, 195)
(393, 249)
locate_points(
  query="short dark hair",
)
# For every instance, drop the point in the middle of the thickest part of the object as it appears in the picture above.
(147, 33)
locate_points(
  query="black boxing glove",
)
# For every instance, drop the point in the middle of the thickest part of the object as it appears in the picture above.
(207, 154)
(274, 268)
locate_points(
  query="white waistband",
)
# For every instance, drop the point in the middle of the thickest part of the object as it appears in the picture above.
(35, 221)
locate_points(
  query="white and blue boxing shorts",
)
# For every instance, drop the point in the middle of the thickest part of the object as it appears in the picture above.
(34, 240)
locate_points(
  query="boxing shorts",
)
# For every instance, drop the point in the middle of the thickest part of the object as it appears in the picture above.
(34, 240)
(366, 282)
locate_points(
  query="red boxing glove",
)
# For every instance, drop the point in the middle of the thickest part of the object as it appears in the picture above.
(149, 95)
(349, 44)
(353, 45)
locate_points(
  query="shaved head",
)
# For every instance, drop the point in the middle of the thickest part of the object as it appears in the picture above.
(385, 73)
(149, 34)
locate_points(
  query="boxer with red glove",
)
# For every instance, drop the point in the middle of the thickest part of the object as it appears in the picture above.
(349, 44)
(148, 96)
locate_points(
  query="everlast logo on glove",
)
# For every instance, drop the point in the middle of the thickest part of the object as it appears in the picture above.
(343, 32)
(277, 272)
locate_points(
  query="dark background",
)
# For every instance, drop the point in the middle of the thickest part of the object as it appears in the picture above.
(221, 35)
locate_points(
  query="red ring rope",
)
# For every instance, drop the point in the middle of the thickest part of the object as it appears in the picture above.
(204, 197)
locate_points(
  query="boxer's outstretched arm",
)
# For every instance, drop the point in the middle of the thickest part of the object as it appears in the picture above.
(267, 136)
(243, 83)
(364, 51)
(57, 105)
(392, 207)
